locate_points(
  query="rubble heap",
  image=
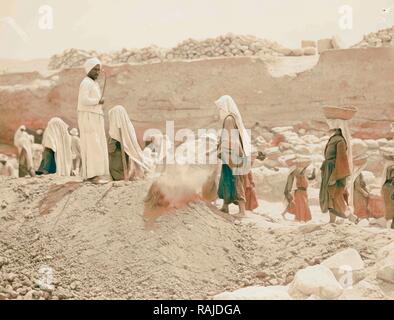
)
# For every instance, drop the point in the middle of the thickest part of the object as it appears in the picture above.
(382, 38)
(228, 45)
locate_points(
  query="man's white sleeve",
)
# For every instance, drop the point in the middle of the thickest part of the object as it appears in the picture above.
(86, 100)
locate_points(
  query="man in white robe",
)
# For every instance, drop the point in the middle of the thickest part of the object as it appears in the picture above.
(94, 150)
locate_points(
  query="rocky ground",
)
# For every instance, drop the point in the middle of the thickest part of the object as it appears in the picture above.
(61, 239)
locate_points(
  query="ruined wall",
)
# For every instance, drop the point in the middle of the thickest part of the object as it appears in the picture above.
(185, 91)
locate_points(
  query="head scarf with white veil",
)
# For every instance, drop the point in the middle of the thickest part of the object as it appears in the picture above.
(24, 141)
(343, 125)
(229, 107)
(120, 124)
(18, 134)
(57, 138)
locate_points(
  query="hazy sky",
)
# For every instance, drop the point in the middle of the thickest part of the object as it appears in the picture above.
(107, 25)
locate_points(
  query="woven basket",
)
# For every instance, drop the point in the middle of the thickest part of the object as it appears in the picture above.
(344, 113)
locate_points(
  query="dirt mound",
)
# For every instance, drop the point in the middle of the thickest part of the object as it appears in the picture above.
(101, 247)
(96, 243)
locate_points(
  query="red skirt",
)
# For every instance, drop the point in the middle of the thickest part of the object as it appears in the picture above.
(300, 207)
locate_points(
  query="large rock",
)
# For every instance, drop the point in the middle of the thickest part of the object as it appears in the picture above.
(316, 280)
(364, 290)
(386, 272)
(386, 251)
(308, 44)
(297, 52)
(256, 293)
(270, 184)
(359, 147)
(369, 177)
(324, 45)
(372, 144)
(309, 51)
(310, 139)
(386, 263)
(347, 266)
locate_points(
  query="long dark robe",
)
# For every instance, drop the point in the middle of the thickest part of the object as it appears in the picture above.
(231, 187)
(23, 169)
(388, 194)
(334, 171)
(48, 162)
(115, 159)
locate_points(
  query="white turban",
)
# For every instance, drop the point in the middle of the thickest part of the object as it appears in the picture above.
(90, 64)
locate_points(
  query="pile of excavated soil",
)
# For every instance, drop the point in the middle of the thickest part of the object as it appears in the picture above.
(96, 243)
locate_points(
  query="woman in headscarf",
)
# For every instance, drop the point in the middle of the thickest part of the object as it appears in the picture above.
(388, 188)
(122, 133)
(94, 149)
(56, 157)
(296, 191)
(24, 143)
(235, 152)
(335, 171)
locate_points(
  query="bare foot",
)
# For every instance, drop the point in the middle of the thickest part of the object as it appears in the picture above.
(239, 215)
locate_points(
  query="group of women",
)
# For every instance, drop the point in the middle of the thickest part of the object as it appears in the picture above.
(128, 161)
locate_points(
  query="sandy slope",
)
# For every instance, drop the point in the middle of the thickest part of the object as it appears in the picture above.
(105, 248)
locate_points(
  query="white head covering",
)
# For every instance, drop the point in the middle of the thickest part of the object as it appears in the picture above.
(119, 120)
(57, 138)
(343, 125)
(228, 105)
(91, 63)
(19, 132)
(24, 141)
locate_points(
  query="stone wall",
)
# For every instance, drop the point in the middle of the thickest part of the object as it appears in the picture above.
(185, 91)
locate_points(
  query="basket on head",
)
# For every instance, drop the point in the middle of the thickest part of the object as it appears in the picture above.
(344, 113)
